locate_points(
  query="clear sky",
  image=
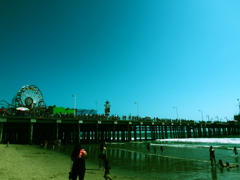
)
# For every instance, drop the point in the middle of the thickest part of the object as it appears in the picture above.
(159, 53)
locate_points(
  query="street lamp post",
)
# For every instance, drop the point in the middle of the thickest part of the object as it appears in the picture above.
(207, 116)
(75, 104)
(226, 118)
(137, 108)
(96, 105)
(201, 114)
(176, 111)
(238, 107)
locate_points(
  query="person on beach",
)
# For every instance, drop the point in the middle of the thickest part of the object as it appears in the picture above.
(235, 151)
(59, 144)
(78, 157)
(107, 167)
(161, 149)
(148, 147)
(45, 144)
(221, 163)
(212, 155)
(7, 144)
(102, 151)
(54, 144)
(230, 166)
(227, 165)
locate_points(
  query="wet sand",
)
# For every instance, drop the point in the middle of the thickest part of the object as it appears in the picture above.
(23, 162)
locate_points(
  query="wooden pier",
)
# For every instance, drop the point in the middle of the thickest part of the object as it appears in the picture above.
(30, 130)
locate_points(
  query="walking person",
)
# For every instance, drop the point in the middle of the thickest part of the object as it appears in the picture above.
(78, 157)
(235, 151)
(107, 167)
(102, 151)
(212, 155)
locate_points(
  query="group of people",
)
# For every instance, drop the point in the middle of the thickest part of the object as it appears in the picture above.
(79, 155)
(220, 162)
(78, 167)
(154, 149)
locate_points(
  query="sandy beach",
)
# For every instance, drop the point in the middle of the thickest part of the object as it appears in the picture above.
(28, 162)
(24, 162)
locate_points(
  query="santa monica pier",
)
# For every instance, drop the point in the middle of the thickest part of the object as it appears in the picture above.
(27, 120)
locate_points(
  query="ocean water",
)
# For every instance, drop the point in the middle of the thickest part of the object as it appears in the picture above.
(188, 157)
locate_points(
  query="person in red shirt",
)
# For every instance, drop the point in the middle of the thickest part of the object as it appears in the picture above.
(78, 157)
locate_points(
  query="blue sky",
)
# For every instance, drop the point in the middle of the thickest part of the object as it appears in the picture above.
(159, 53)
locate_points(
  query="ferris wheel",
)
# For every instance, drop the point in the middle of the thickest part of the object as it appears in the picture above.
(29, 96)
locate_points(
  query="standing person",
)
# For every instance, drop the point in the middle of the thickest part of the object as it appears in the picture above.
(161, 149)
(148, 147)
(7, 144)
(45, 144)
(54, 144)
(212, 155)
(235, 151)
(107, 167)
(78, 157)
(59, 144)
